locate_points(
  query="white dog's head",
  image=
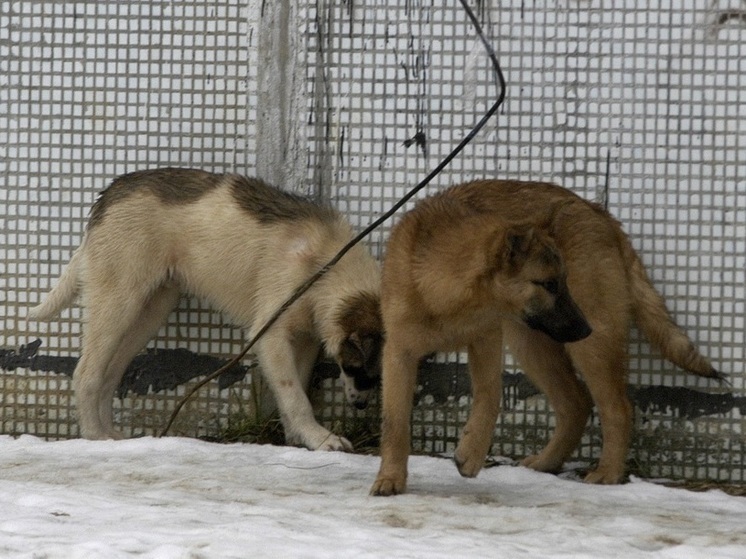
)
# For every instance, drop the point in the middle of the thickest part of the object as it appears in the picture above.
(360, 367)
(359, 353)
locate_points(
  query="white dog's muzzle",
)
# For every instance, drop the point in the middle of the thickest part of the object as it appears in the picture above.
(357, 398)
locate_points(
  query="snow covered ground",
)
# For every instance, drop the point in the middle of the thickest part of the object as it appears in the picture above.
(180, 498)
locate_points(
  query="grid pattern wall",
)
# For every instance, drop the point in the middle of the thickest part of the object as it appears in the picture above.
(640, 108)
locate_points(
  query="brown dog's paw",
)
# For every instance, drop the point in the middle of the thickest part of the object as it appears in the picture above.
(541, 464)
(468, 467)
(387, 486)
(604, 476)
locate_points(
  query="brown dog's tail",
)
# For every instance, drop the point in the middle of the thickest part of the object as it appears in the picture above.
(63, 294)
(653, 319)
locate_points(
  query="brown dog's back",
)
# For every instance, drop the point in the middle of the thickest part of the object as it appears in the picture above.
(600, 259)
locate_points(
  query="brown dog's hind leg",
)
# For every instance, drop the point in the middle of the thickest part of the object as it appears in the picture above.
(398, 380)
(604, 369)
(548, 366)
(485, 369)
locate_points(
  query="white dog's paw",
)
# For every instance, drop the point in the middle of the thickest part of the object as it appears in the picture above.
(318, 438)
(100, 434)
(334, 442)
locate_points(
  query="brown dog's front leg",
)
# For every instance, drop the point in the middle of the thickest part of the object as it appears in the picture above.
(398, 378)
(485, 368)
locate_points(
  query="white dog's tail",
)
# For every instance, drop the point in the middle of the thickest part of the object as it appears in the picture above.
(63, 294)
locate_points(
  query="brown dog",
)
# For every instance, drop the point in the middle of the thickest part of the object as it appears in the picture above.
(545, 271)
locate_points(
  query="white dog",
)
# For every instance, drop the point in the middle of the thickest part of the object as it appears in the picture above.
(243, 246)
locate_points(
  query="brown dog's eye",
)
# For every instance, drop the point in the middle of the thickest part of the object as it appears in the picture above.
(552, 286)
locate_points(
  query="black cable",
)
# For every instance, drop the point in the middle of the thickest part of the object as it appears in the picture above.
(365, 232)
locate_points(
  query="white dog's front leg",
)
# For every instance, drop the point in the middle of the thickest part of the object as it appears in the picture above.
(279, 359)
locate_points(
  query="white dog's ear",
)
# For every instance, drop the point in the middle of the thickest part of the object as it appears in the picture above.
(362, 351)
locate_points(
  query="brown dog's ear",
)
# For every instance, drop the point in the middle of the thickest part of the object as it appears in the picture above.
(518, 240)
(512, 246)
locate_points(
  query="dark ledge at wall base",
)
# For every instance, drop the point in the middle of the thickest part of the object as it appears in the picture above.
(164, 369)
(154, 370)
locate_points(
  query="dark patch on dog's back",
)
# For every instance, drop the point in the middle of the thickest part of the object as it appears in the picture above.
(170, 185)
(269, 204)
(173, 186)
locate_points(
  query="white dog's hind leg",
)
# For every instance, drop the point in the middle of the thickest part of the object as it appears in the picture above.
(112, 313)
(86, 391)
(279, 359)
(154, 313)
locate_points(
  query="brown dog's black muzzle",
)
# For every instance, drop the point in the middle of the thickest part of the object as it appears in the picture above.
(564, 322)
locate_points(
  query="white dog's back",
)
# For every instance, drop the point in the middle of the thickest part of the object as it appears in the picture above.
(241, 245)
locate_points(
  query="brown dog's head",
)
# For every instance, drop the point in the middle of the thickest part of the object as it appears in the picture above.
(359, 355)
(531, 279)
